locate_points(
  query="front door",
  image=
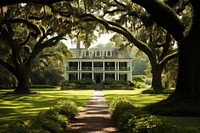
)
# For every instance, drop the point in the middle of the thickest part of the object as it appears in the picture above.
(98, 78)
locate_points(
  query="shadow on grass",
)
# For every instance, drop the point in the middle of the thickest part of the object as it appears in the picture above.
(143, 100)
(23, 107)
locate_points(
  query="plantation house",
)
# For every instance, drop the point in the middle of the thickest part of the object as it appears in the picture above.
(99, 64)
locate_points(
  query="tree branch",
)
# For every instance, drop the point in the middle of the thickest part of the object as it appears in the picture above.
(39, 47)
(8, 67)
(25, 41)
(169, 57)
(170, 21)
(44, 2)
(119, 3)
(119, 29)
(15, 55)
(26, 22)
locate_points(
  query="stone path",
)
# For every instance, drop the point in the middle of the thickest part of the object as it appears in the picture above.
(94, 117)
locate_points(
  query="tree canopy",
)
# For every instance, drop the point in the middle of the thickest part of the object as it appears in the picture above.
(179, 20)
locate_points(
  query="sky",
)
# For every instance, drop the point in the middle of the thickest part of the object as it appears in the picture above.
(103, 39)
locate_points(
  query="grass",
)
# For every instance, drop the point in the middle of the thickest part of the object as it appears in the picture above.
(23, 107)
(140, 100)
(136, 96)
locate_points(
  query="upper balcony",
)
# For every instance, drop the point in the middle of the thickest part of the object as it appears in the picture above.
(110, 68)
(86, 68)
(124, 68)
(71, 68)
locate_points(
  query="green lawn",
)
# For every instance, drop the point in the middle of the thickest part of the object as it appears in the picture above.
(134, 96)
(13, 107)
(140, 100)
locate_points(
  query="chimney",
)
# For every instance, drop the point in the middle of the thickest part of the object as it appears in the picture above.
(78, 45)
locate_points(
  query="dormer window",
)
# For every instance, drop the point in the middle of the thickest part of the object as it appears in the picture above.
(98, 53)
(87, 53)
(108, 53)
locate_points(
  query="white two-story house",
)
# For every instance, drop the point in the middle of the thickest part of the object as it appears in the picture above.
(99, 64)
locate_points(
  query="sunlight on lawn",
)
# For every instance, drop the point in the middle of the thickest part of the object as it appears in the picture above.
(134, 96)
(141, 100)
(13, 107)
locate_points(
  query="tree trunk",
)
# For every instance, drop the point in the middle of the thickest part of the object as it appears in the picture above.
(185, 101)
(156, 78)
(22, 76)
(188, 83)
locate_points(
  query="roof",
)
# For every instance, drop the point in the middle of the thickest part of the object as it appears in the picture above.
(103, 53)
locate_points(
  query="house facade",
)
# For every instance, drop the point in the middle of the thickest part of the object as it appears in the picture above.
(99, 64)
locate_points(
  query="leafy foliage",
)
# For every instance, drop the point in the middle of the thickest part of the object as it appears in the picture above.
(51, 121)
(118, 106)
(139, 81)
(47, 76)
(67, 108)
(134, 120)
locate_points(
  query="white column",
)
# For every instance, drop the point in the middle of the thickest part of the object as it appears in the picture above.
(118, 71)
(78, 65)
(103, 76)
(103, 65)
(92, 65)
(65, 70)
(67, 76)
(115, 65)
(118, 66)
(78, 75)
(130, 76)
(92, 76)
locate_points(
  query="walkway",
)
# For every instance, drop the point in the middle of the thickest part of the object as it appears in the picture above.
(94, 117)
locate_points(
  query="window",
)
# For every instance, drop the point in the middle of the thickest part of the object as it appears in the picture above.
(98, 53)
(87, 53)
(109, 53)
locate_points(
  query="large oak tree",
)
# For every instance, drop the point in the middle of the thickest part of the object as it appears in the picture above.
(25, 30)
(137, 26)
(188, 83)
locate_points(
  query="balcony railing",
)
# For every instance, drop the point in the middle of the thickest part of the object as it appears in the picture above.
(110, 68)
(98, 68)
(124, 68)
(72, 68)
(86, 68)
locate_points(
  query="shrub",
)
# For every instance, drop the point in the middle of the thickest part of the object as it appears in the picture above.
(134, 120)
(118, 106)
(85, 81)
(109, 81)
(139, 78)
(151, 91)
(51, 121)
(123, 119)
(153, 124)
(48, 121)
(18, 127)
(139, 81)
(67, 108)
(149, 124)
